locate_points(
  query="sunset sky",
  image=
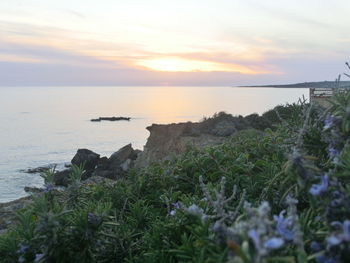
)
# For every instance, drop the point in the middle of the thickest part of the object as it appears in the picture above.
(178, 42)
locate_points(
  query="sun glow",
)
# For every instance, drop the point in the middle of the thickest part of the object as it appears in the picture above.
(186, 65)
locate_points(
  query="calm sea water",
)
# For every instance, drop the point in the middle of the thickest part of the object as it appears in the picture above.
(46, 125)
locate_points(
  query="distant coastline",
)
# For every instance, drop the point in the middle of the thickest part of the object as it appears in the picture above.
(318, 84)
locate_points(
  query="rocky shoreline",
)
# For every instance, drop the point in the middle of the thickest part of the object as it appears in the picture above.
(164, 142)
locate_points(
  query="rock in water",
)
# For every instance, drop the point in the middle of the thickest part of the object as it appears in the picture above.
(111, 119)
(87, 158)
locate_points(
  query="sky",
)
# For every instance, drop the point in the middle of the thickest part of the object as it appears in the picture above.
(178, 42)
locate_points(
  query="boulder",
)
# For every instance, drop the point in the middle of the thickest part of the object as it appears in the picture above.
(119, 157)
(103, 163)
(62, 178)
(125, 166)
(87, 158)
(117, 164)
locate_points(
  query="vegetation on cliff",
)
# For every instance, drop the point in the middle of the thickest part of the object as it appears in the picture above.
(281, 195)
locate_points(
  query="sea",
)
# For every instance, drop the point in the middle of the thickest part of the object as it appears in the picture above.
(42, 126)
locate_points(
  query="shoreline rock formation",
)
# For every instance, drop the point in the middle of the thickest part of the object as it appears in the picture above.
(112, 168)
(168, 139)
(164, 141)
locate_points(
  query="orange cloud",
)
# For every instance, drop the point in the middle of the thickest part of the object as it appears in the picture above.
(172, 64)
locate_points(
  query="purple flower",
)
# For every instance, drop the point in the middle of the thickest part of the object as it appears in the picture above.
(274, 243)
(253, 234)
(269, 244)
(49, 188)
(329, 121)
(195, 211)
(38, 257)
(176, 206)
(284, 226)
(343, 236)
(346, 230)
(172, 212)
(334, 154)
(317, 189)
(333, 241)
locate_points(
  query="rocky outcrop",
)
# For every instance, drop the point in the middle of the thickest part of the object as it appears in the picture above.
(40, 169)
(86, 158)
(164, 141)
(117, 164)
(170, 139)
(113, 167)
(62, 178)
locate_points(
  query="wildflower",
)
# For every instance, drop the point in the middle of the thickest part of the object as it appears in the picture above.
(269, 244)
(274, 243)
(343, 236)
(195, 211)
(172, 212)
(334, 154)
(284, 226)
(333, 241)
(299, 164)
(38, 257)
(176, 206)
(329, 121)
(264, 209)
(49, 188)
(317, 189)
(253, 234)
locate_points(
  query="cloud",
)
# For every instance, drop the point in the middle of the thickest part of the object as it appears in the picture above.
(74, 13)
(47, 54)
(55, 67)
(35, 74)
(42, 55)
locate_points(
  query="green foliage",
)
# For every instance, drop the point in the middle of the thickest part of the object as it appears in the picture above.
(142, 217)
